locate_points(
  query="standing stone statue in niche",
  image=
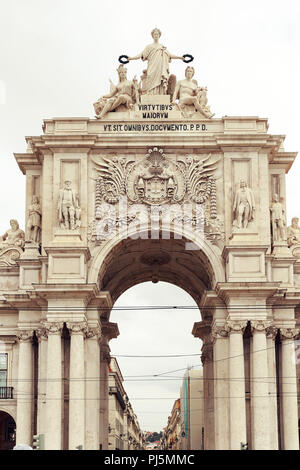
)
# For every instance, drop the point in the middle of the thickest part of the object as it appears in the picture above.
(243, 206)
(191, 96)
(157, 74)
(13, 237)
(120, 98)
(68, 208)
(293, 232)
(278, 219)
(34, 220)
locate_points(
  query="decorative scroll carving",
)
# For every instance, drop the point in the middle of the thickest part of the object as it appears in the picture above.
(156, 181)
(25, 335)
(9, 256)
(236, 326)
(11, 244)
(289, 333)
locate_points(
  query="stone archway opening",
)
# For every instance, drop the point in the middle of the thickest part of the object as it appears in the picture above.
(7, 431)
(160, 346)
(177, 261)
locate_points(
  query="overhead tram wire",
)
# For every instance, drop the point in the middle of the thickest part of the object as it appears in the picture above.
(146, 307)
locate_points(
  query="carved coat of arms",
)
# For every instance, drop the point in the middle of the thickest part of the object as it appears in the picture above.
(158, 180)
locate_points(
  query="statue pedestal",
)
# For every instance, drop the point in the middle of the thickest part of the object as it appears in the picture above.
(31, 250)
(62, 235)
(280, 249)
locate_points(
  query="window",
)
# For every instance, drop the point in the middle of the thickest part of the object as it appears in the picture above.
(3, 369)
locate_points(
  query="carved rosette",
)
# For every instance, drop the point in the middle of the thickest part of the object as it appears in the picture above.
(289, 333)
(236, 326)
(77, 328)
(259, 325)
(271, 332)
(24, 336)
(53, 328)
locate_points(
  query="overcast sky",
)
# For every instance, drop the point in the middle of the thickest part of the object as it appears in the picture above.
(56, 58)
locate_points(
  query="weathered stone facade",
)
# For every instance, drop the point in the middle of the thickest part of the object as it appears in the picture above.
(125, 198)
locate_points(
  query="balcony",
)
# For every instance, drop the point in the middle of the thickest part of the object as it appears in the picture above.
(6, 393)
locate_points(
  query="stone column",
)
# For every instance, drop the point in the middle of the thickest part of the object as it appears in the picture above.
(42, 336)
(221, 387)
(54, 403)
(236, 329)
(260, 405)
(289, 389)
(271, 335)
(77, 385)
(25, 388)
(208, 382)
(109, 330)
(92, 388)
(104, 363)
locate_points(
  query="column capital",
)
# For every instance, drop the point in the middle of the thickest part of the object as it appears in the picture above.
(272, 332)
(236, 326)
(42, 334)
(93, 332)
(288, 333)
(219, 332)
(24, 335)
(259, 325)
(53, 328)
(77, 328)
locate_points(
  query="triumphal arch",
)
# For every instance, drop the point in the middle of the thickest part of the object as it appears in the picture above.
(154, 187)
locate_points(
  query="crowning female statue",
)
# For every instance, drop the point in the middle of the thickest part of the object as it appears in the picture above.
(158, 57)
